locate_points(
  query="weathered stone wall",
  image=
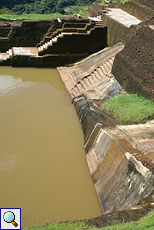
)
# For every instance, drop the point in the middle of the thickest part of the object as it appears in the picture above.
(121, 181)
(25, 33)
(143, 13)
(44, 61)
(115, 30)
(134, 66)
(148, 3)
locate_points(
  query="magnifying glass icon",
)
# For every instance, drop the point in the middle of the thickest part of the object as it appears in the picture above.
(9, 217)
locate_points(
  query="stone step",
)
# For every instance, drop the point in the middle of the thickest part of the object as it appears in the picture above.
(45, 46)
(55, 39)
(49, 43)
(97, 74)
(108, 69)
(111, 60)
(75, 92)
(3, 56)
(84, 84)
(99, 24)
(90, 78)
(103, 69)
(60, 35)
(101, 73)
(109, 66)
(87, 82)
(80, 88)
(9, 53)
(94, 77)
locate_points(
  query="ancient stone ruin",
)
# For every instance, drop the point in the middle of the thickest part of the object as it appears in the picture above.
(120, 157)
(50, 43)
(118, 50)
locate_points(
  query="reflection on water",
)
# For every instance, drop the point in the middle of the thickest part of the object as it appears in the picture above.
(42, 161)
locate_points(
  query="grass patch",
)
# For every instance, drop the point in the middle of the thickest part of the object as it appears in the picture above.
(71, 225)
(41, 16)
(116, 2)
(31, 16)
(129, 108)
(146, 223)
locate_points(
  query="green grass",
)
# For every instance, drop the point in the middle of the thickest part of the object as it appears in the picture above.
(31, 16)
(40, 16)
(146, 223)
(71, 225)
(77, 10)
(114, 2)
(129, 108)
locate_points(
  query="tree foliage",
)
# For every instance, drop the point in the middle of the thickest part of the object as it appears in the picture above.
(39, 6)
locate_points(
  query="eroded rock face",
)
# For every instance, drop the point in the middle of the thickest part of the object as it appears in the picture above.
(134, 65)
(121, 180)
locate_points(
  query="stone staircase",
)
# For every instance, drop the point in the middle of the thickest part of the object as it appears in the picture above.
(98, 75)
(45, 46)
(68, 31)
(89, 76)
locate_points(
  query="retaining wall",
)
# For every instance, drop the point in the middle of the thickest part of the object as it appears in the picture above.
(120, 180)
(44, 61)
(25, 33)
(142, 12)
(133, 67)
(115, 30)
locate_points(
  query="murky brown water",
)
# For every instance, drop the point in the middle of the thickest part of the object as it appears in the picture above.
(42, 162)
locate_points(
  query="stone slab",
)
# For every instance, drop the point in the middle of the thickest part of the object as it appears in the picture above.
(122, 17)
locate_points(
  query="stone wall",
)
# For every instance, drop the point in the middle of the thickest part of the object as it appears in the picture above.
(115, 30)
(121, 181)
(148, 3)
(142, 12)
(25, 33)
(134, 67)
(43, 62)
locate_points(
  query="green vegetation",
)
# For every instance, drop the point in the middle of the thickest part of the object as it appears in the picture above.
(146, 223)
(129, 108)
(71, 225)
(116, 2)
(31, 16)
(45, 9)
(122, 1)
(41, 6)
